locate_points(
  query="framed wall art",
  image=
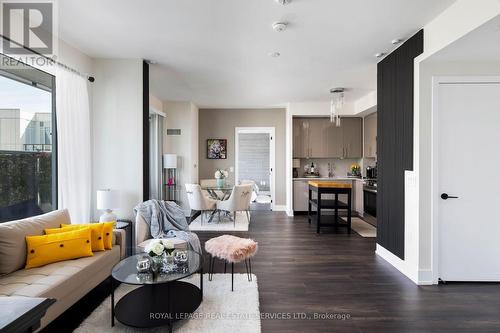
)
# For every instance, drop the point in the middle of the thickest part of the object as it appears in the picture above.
(217, 149)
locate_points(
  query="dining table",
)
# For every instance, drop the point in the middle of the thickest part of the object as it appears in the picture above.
(219, 193)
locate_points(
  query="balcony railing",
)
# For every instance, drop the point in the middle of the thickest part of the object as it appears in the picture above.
(26, 184)
(38, 147)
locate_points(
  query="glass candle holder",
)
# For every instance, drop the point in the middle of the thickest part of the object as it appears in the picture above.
(143, 265)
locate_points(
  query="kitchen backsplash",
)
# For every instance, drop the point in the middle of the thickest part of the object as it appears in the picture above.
(340, 166)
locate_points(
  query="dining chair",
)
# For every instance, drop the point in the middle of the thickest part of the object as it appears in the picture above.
(254, 188)
(198, 201)
(238, 201)
(256, 196)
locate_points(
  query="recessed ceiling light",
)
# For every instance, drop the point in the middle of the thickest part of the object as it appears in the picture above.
(396, 41)
(380, 54)
(283, 2)
(274, 54)
(279, 26)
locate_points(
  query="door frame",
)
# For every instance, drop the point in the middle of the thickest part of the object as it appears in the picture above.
(434, 195)
(272, 155)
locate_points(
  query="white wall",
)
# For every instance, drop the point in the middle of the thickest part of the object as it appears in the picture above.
(155, 103)
(183, 116)
(459, 19)
(117, 131)
(366, 104)
(428, 70)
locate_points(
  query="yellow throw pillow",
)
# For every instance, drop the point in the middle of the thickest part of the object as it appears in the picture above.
(43, 250)
(97, 238)
(107, 232)
(96, 235)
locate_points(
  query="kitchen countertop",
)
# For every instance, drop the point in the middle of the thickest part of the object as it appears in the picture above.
(331, 178)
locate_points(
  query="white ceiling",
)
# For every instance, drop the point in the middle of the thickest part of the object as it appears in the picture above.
(215, 52)
(481, 44)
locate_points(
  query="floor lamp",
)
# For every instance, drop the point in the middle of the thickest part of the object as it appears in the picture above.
(170, 166)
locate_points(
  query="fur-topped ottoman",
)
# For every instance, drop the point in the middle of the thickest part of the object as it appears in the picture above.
(231, 249)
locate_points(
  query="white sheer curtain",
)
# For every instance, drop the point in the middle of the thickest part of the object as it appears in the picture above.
(73, 145)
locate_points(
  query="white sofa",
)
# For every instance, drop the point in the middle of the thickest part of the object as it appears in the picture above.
(66, 281)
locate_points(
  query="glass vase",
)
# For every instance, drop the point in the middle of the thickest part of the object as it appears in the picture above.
(221, 182)
(156, 263)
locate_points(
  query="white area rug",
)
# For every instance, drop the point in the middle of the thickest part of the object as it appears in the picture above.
(363, 228)
(220, 311)
(224, 225)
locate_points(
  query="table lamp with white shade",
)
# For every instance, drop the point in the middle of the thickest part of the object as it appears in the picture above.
(108, 200)
(170, 161)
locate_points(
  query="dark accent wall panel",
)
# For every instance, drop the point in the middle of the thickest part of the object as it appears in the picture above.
(145, 131)
(395, 140)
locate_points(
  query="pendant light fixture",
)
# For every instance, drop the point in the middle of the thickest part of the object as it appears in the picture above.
(336, 105)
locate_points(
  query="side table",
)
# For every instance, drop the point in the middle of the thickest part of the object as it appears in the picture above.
(127, 226)
(22, 314)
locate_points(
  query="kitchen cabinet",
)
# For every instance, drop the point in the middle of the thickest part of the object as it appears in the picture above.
(370, 133)
(309, 138)
(300, 138)
(318, 128)
(358, 196)
(335, 145)
(300, 195)
(352, 137)
(319, 138)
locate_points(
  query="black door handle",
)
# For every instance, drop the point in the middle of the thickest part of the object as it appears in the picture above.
(445, 196)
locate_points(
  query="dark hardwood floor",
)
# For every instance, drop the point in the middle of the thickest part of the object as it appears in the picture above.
(299, 271)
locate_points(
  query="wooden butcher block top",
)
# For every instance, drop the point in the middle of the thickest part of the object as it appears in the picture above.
(329, 184)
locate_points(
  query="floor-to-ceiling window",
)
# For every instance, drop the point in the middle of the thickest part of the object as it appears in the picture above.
(27, 141)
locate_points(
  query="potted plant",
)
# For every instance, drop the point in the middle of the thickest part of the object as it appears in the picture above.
(355, 170)
(221, 176)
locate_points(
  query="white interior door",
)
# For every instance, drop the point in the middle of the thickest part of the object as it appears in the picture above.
(468, 132)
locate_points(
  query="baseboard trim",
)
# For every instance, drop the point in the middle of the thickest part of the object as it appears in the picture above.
(397, 262)
(425, 277)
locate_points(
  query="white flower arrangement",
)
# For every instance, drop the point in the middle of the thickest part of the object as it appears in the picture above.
(157, 248)
(169, 247)
(221, 174)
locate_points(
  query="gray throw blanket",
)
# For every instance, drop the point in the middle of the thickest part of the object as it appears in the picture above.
(166, 220)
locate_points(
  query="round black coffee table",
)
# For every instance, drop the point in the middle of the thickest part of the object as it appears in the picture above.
(162, 299)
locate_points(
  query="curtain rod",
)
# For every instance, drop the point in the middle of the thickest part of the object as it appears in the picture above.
(88, 77)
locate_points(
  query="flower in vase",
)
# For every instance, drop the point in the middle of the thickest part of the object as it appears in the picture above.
(221, 174)
(169, 247)
(155, 248)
